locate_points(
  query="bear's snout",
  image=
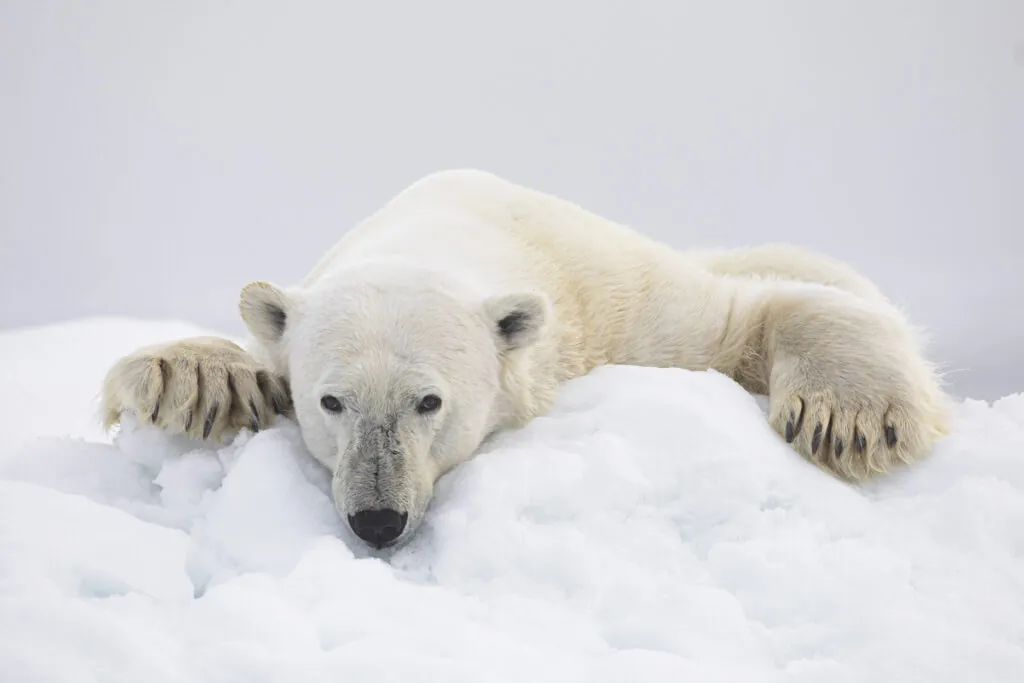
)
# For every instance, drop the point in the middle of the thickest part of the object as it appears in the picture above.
(378, 527)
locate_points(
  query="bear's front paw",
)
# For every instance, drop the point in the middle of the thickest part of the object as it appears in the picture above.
(201, 387)
(856, 433)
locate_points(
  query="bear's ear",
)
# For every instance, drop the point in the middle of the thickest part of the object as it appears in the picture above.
(265, 310)
(517, 319)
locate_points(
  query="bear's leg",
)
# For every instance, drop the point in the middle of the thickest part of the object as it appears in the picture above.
(789, 263)
(847, 385)
(201, 387)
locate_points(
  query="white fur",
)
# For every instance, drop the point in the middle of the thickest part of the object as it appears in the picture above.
(409, 303)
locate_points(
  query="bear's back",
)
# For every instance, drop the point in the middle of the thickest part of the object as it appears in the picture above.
(494, 233)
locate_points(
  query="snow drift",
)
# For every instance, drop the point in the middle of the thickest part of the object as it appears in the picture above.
(650, 528)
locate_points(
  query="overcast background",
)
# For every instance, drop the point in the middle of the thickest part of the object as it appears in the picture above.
(156, 156)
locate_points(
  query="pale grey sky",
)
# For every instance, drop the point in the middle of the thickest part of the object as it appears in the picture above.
(155, 157)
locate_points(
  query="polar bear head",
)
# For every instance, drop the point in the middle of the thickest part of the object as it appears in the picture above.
(395, 381)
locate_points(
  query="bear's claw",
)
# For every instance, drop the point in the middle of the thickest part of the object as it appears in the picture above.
(796, 419)
(254, 416)
(211, 417)
(890, 436)
(860, 442)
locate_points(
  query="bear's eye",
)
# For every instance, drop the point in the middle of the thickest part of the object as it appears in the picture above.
(428, 404)
(331, 404)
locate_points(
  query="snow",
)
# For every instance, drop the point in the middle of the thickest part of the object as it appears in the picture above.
(650, 528)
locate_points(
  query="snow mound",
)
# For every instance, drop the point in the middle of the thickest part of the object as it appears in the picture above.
(650, 528)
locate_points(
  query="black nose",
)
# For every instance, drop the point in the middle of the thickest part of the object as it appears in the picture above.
(378, 527)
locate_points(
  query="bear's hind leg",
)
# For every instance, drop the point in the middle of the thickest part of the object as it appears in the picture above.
(787, 263)
(202, 387)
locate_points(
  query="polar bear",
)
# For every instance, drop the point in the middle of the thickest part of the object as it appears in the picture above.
(461, 306)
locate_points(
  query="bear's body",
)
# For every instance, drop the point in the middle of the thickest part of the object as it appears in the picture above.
(488, 296)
